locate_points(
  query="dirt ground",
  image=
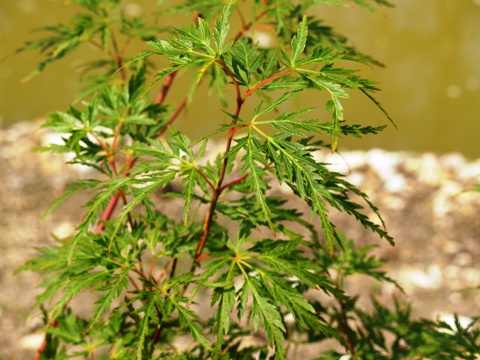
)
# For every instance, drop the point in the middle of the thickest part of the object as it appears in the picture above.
(435, 226)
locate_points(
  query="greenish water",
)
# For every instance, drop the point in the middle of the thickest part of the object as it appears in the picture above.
(431, 84)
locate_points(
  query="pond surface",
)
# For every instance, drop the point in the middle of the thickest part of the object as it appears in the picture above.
(430, 85)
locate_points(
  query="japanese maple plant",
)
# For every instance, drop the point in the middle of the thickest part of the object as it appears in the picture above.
(237, 260)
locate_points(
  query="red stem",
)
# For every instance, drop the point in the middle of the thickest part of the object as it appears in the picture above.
(206, 179)
(108, 153)
(107, 214)
(231, 183)
(163, 272)
(115, 137)
(117, 56)
(134, 283)
(219, 188)
(173, 117)
(166, 87)
(229, 72)
(125, 46)
(42, 347)
(213, 203)
(140, 273)
(264, 27)
(264, 82)
(247, 27)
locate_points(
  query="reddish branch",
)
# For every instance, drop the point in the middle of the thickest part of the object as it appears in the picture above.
(220, 187)
(173, 117)
(264, 82)
(235, 83)
(248, 26)
(107, 214)
(118, 56)
(43, 347)
(166, 86)
(236, 181)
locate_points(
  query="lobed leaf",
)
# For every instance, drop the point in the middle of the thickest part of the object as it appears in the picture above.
(222, 27)
(144, 326)
(250, 165)
(189, 318)
(262, 308)
(299, 41)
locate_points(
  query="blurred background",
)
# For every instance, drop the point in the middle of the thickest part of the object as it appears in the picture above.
(430, 85)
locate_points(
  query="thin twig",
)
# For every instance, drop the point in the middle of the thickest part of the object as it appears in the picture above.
(44, 344)
(264, 82)
(118, 56)
(236, 181)
(107, 214)
(173, 117)
(219, 188)
(166, 87)
(248, 26)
